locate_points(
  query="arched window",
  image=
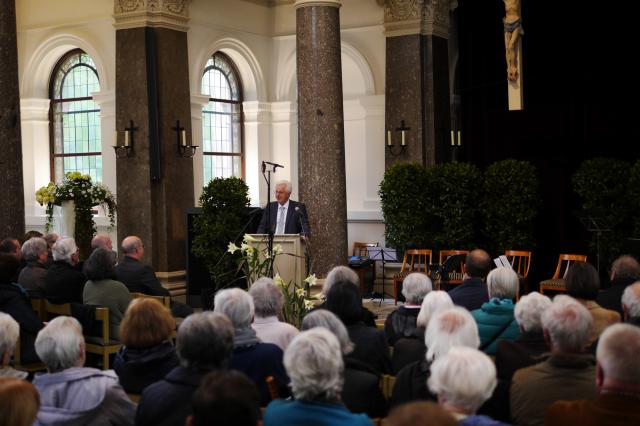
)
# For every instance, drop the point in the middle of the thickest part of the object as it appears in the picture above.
(76, 144)
(222, 120)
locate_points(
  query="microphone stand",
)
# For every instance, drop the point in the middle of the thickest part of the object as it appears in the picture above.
(307, 248)
(267, 177)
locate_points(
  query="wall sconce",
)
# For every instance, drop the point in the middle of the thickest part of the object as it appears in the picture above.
(186, 151)
(403, 144)
(126, 149)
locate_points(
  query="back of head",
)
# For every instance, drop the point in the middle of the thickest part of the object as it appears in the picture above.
(503, 283)
(130, 244)
(33, 248)
(237, 305)
(314, 363)
(344, 301)
(205, 341)
(567, 324)
(226, 397)
(339, 274)
(267, 297)
(451, 378)
(100, 265)
(453, 327)
(19, 402)
(63, 249)
(9, 245)
(9, 333)
(617, 354)
(477, 264)
(146, 323)
(60, 344)
(420, 414)
(433, 303)
(51, 238)
(328, 320)
(582, 281)
(31, 234)
(101, 241)
(631, 300)
(9, 267)
(529, 309)
(625, 267)
(415, 287)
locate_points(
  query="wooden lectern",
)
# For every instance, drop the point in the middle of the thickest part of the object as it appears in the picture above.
(290, 263)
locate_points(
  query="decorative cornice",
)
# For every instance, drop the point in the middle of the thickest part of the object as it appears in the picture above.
(426, 17)
(307, 3)
(172, 14)
(435, 17)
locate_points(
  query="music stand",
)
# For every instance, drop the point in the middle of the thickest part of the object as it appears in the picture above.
(384, 254)
(597, 225)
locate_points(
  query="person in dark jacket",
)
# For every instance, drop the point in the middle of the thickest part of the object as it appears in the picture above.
(401, 323)
(32, 276)
(472, 293)
(63, 283)
(625, 270)
(204, 344)
(148, 353)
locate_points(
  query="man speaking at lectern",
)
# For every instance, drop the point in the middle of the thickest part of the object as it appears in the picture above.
(285, 216)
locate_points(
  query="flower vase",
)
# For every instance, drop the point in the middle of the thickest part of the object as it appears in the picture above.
(65, 219)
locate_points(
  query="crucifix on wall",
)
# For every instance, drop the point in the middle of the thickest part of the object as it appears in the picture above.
(513, 49)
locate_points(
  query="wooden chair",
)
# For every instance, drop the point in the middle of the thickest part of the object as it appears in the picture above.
(38, 306)
(455, 275)
(414, 260)
(31, 367)
(362, 249)
(273, 387)
(520, 261)
(386, 385)
(556, 283)
(103, 344)
(165, 300)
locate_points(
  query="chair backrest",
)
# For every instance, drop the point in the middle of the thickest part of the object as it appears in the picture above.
(362, 249)
(102, 315)
(165, 300)
(564, 261)
(520, 261)
(53, 310)
(444, 254)
(38, 306)
(418, 260)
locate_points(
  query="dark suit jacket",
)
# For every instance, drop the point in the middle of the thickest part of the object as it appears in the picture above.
(296, 222)
(63, 283)
(611, 297)
(371, 347)
(139, 278)
(471, 294)
(361, 391)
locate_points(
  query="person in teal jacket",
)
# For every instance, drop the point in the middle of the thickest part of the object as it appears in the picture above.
(495, 318)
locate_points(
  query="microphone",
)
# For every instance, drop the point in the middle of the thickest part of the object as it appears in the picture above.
(300, 212)
(273, 164)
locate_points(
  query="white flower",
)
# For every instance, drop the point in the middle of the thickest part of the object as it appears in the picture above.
(311, 280)
(277, 249)
(308, 304)
(232, 248)
(279, 281)
(249, 239)
(300, 292)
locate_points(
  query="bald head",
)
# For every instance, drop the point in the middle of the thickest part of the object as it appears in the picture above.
(132, 247)
(625, 267)
(102, 241)
(477, 264)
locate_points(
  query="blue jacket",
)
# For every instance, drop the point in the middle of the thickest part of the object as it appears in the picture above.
(496, 322)
(306, 413)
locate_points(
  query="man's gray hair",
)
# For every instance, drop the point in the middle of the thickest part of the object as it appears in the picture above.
(100, 241)
(205, 341)
(287, 185)
(339, 273)
(237, 305)
(51, 237)
(267, 297)
(626, 266)
(503, 283)
(313, 361)
(58, 345)
(329, 320)
(617, 353)
(64, 248)
(130, 244)
(529, 309)
(9, 333)
(434, 302)
(33, 248)
(568, 323)
(415, 287)
(631, 300)
(465, 377)
(453, 327)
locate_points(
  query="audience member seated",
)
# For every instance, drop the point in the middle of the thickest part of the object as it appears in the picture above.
(256, 359)
(361, 391)
(11, 246)
(148, 353)
(583, 283)
(19, 402)
(31, 234)
(625, 270)
(14, 301)
(420, 414)
(226, 397)
(140, 278)
(70, 393)
(453, 327)
(631, 304)
(401, 323)
(9, 333)
(370, 343)
(268, 301)
(63, 283)
(103, 290)
(204, 344)
(314, 362)
(495, 318)
(472, 293)
(345, 274)
(51, 238)
(32, 276)
(568, 373)
(618, 382)
(102, 241)
(464, 379)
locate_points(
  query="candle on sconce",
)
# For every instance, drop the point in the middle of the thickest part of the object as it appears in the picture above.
(115, 138)
(388, 137)
(453, 142)
(126, 138)
(403, 141)
(184, 138)
(459, 137)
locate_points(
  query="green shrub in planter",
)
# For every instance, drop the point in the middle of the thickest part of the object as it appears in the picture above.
(510, 202)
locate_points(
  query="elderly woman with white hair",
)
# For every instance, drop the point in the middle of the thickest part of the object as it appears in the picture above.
(464, 379)
(361, 391)
(254, 358)
(63, 283)
(314, 362)
(495, 318)
(449, 328)
(32, 276)
(9, 333)
(268, 300)
(401, 323)
(70, 393)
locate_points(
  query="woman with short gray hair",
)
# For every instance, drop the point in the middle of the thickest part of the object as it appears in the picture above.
(267, 300)
(313, 361)
(9, 334)
(63, 283)
(402, 323)
(32, 276)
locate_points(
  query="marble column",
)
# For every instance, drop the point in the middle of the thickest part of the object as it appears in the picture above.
(155, 183)
(321, 178)
(11, 188)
